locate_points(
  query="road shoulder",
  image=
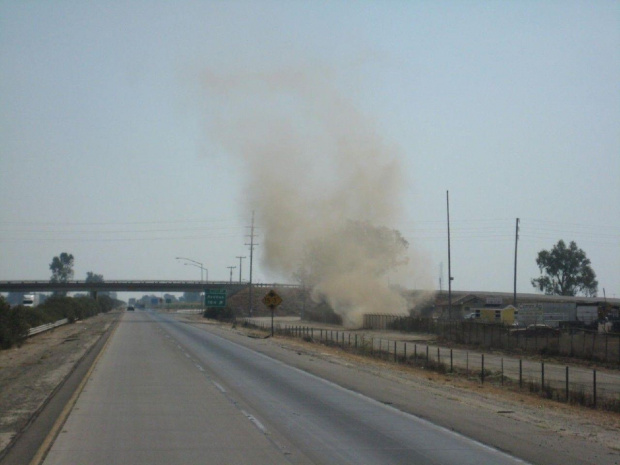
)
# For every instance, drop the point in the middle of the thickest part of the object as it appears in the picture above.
(530, 427)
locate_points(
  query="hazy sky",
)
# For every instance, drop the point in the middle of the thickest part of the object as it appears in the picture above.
(105, 151)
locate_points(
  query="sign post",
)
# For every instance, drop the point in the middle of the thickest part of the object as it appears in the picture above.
(272, 300)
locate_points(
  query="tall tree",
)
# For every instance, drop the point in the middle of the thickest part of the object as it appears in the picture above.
(94, 278)
(62, 268)
(565, 271)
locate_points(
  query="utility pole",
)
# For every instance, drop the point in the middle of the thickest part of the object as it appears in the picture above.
(251, 245)
(240, 260)
(450, 278)
(514, 299)
(440, 278)
(231, 268)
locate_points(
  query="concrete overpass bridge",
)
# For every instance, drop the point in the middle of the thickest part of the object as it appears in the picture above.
(131, 286)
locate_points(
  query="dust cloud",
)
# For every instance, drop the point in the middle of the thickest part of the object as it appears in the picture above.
(322, 182)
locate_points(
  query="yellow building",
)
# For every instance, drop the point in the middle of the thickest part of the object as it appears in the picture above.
(505, 315)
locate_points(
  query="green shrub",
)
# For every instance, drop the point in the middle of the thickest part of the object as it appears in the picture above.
(16, 321)
(219, 313)
(13, 324)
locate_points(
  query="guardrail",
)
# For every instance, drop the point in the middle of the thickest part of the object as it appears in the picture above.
(47, 327)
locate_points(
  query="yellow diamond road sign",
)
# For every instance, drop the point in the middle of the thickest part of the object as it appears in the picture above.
(271, 299)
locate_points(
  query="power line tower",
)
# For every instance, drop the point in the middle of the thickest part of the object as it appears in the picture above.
(251, 245)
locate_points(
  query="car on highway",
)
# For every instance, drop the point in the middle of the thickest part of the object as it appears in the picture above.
(130, 308)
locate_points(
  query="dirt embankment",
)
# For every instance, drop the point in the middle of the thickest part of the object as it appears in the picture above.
(29, 374)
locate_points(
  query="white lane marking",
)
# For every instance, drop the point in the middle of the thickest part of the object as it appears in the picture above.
(199, 367)
(255, 422)
(219, 386)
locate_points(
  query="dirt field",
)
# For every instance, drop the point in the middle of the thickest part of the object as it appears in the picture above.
(30, 373)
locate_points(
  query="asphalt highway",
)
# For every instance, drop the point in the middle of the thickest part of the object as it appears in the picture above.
(164, 392)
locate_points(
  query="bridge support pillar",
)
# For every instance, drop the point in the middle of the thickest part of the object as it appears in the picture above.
(93, 294)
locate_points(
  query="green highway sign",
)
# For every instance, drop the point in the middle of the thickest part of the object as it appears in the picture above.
(215, 298)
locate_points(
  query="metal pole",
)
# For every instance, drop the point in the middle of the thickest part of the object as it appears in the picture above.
(594, 387)
(240, 263)
(450, 278)
(514, 300)
(252, 245)
(271, 317)
(197, 264)
(231, 268)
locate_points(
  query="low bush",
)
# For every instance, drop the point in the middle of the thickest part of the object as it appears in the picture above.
(219, 313)
(16, 321)
(13, 324)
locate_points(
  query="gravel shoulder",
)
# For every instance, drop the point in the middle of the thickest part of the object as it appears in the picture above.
(29, 374)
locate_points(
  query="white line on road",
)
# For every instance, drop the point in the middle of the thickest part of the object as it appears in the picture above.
(256, 423)
(219, 386)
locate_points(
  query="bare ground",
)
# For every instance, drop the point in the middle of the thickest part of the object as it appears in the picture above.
(29, 374)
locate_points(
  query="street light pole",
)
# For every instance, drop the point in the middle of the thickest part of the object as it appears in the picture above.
(197, 264)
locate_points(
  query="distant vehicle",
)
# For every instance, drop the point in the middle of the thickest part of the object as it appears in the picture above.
(470, 316)
(30, 300)
(130, 308)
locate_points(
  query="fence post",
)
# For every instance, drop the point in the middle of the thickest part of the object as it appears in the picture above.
(594, 387)
(567, 383)
(438, 356)
(482, 372)
(502, 371)
(467, 364)
(520, 373)
(451, 362)
(415, 352)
